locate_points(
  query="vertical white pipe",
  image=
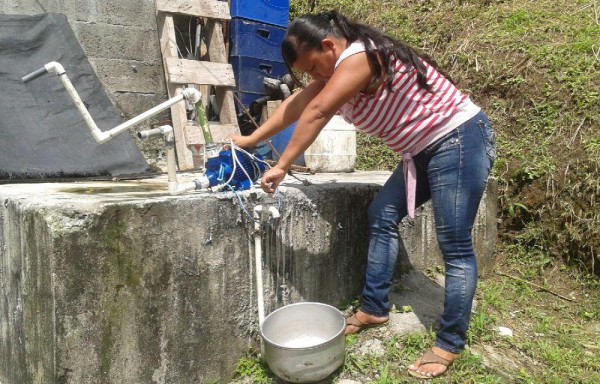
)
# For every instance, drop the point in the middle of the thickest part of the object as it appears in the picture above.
(258, 263)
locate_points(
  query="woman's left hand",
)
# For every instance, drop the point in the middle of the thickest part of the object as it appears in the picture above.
(271, 179)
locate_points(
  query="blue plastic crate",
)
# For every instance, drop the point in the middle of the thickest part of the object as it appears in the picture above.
(250, 72)
(276, 12)
(282, 139)
(254, 39)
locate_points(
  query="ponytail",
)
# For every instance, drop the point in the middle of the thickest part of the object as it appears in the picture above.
(306, 33)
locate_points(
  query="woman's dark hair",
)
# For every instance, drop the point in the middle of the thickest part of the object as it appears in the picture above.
(306, 33)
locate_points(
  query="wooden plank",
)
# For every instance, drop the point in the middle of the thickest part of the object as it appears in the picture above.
(269, 109)
(220, 133)
(182, 71)
(168, 46)
(217, 54)
(217, 72)
(213, 9)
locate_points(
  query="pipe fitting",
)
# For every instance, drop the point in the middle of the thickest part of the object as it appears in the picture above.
(192, 95)
(274, 213)
(55, 67)
(148, 133)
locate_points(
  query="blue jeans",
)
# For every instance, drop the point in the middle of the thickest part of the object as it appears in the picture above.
(452, 172)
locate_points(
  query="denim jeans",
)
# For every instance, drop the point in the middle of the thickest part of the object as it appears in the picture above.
(452, 172)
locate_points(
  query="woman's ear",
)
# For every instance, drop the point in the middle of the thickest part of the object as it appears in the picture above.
(327, 44)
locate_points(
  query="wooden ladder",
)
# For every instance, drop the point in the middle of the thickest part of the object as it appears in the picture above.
(216, 72)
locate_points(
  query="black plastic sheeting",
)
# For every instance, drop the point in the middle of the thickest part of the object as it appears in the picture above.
(42, 135)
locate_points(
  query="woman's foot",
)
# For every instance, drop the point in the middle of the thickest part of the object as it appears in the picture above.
(432, 364)
(361, 320)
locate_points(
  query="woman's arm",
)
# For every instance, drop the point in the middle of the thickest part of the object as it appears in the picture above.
(352, 75)
(287, 113)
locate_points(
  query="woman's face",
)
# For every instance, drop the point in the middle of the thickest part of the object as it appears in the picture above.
(319, 64)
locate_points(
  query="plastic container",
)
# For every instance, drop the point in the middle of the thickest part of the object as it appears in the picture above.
(276, 12)
(281, 140)
(334, 150)
(250, 72)
(264, 150)
(254, 39)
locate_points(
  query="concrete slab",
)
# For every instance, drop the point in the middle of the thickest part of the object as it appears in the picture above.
(121, 282)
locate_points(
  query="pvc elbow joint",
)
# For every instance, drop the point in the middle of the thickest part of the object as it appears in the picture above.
(55, 67)
(192, 95)
(274, 213)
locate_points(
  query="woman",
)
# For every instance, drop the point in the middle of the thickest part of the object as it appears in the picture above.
(388, 90)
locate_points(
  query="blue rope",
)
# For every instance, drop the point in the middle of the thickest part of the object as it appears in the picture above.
(242, 205)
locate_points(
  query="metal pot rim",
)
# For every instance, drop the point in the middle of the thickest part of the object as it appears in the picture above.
(325, 343)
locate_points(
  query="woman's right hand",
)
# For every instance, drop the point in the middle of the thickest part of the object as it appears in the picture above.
(242, 141)
(271, 179)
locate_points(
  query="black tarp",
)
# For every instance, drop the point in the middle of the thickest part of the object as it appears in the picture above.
(42, 135)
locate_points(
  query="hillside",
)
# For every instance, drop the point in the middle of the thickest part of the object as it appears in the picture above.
(534, 66)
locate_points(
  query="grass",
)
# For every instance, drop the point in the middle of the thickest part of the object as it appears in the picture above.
(554, 340)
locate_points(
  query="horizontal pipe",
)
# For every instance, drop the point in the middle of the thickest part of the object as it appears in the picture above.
(34, 74)
(163, 129)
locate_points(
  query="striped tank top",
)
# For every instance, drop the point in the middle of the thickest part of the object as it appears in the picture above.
(408, 118)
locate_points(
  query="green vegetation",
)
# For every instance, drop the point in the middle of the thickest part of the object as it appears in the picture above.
(534, 66)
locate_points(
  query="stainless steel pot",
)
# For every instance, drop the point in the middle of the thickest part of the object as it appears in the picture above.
(304, 342)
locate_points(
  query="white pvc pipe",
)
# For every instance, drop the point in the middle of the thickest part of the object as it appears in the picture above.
(258, 263)
(274, 213)
(107, 135)
(175, 188)
(100, 136)
(190, 94)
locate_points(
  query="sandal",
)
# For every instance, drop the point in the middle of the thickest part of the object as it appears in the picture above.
(431, 357)
(353, 321)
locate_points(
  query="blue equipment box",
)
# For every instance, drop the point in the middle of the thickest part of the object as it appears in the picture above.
(276, 12)
(253, 39)
(250, 72)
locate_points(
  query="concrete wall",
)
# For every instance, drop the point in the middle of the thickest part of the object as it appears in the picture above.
(102, 285)
(99, 289)
(120, 39)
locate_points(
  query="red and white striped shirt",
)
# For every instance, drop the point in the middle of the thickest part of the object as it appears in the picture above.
(408, 118)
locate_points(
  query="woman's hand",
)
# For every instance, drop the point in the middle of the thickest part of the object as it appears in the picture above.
(242, 141)
(271, 179)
